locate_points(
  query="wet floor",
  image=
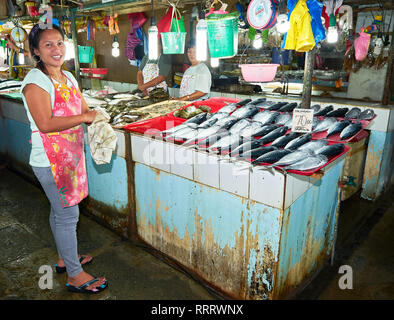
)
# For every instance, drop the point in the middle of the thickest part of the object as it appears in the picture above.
(365, 241)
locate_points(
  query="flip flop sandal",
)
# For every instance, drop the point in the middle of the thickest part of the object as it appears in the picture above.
(63, 269)
(82, 288)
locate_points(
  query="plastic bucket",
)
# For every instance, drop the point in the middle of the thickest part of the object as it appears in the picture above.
(223, 37)
(173, 42)
(85, 54)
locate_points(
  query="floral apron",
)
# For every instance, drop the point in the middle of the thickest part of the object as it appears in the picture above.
(65, 149)
(151, 71)
(186, 84)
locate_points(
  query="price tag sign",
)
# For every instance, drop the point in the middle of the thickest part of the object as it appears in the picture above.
(302, 120)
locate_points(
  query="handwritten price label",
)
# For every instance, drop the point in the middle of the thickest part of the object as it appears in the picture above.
(302, 120)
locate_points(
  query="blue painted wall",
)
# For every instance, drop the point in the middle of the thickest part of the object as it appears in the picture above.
(307, 231)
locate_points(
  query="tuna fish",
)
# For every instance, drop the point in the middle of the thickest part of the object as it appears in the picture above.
(331, 150)
(228, 108)
(337, 127)
(258, 101)
(266, 117)
(278, 132)
(240, 125)
(313, 145)
(243, 102)
(291, 158)
(204, 133)
(324, 124)
(183, 134)
(255, 153)
(228, 142)
(283, 140)
(297, 142)
(324, 111)
(244, 147)
(212, 139)
(177, 128)
(340, 112)
(272, 156)
(283, 118)
(199, 118)
(367, 114)
(250, 130)
(350, 131)
(245, 112)
(226, 122)
(288, 107)
(309, 163)
(212, 120)
(276, 106)
(353, 113)
(315, 108)
(315, 122)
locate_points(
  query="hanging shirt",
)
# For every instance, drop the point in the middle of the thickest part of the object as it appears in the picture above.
(38, 157)
(196, 78)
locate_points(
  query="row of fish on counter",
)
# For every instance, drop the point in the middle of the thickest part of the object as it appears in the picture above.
(241, 130)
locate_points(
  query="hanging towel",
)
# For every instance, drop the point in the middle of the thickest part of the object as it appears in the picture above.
(102, 137)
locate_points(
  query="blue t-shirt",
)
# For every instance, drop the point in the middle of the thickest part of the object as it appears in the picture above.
(38, 157)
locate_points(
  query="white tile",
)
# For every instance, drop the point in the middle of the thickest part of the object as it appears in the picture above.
(159, 155)
(234, 177)
(206, 169)
(296, 186)
(181, 161)
(267, 187)
(120, 149)
(140, 149)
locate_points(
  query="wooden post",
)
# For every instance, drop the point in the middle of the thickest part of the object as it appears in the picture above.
(307, 85)
(76, 59)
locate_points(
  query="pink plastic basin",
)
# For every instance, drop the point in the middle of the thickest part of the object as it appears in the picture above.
(260, 72)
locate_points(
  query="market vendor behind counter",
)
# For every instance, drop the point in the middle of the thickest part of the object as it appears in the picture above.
(197, 79)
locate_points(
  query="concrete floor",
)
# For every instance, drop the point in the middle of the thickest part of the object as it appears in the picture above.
(365, 243)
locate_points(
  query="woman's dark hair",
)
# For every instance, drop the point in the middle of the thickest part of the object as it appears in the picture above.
(34, 40)
(191, 44)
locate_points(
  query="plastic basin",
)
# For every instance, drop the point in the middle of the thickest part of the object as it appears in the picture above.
(260, 72)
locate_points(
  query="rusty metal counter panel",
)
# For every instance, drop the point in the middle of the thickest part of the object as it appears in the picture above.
(228, 240)
(307, 233)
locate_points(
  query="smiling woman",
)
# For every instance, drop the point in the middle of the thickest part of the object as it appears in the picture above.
(56, 109)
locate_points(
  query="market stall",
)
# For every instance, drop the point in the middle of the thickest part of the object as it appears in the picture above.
(248, 225)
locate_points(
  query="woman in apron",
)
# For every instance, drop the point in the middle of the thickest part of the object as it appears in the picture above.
(197, 79)
(153, 74)
(56, 109)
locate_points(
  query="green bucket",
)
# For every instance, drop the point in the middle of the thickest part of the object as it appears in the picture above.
(223, 35)
(85, 54)
(173, 42)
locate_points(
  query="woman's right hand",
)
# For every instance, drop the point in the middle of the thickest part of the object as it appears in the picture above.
(90, 116)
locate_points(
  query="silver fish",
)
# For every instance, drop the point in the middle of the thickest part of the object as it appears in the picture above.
(212, 120)
(297, 142)
(179, 127)
(313, 145)
(331, 150)
(315, 122)
(309, 163)
(226, 122)
(276, 106)
(283, 140)
(315, 108)
(225, 141)
(266, 117)
(251, 129)
(283, 118)
(204, 133)
(350, 131)
(353, 113)
(255, 153)
(228, 108)
(213, 138)
(244, 147)
(183, 134)
(291, 158)
(367, 114)
(240, 125)
(272, 156)
(324, 125)
(337, 127)
(245, 112)
(273, 135)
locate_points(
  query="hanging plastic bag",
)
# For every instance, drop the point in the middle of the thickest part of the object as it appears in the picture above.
(164, 24)
(315, 10)
(180, 23)
(300, 35)
(361, 45)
